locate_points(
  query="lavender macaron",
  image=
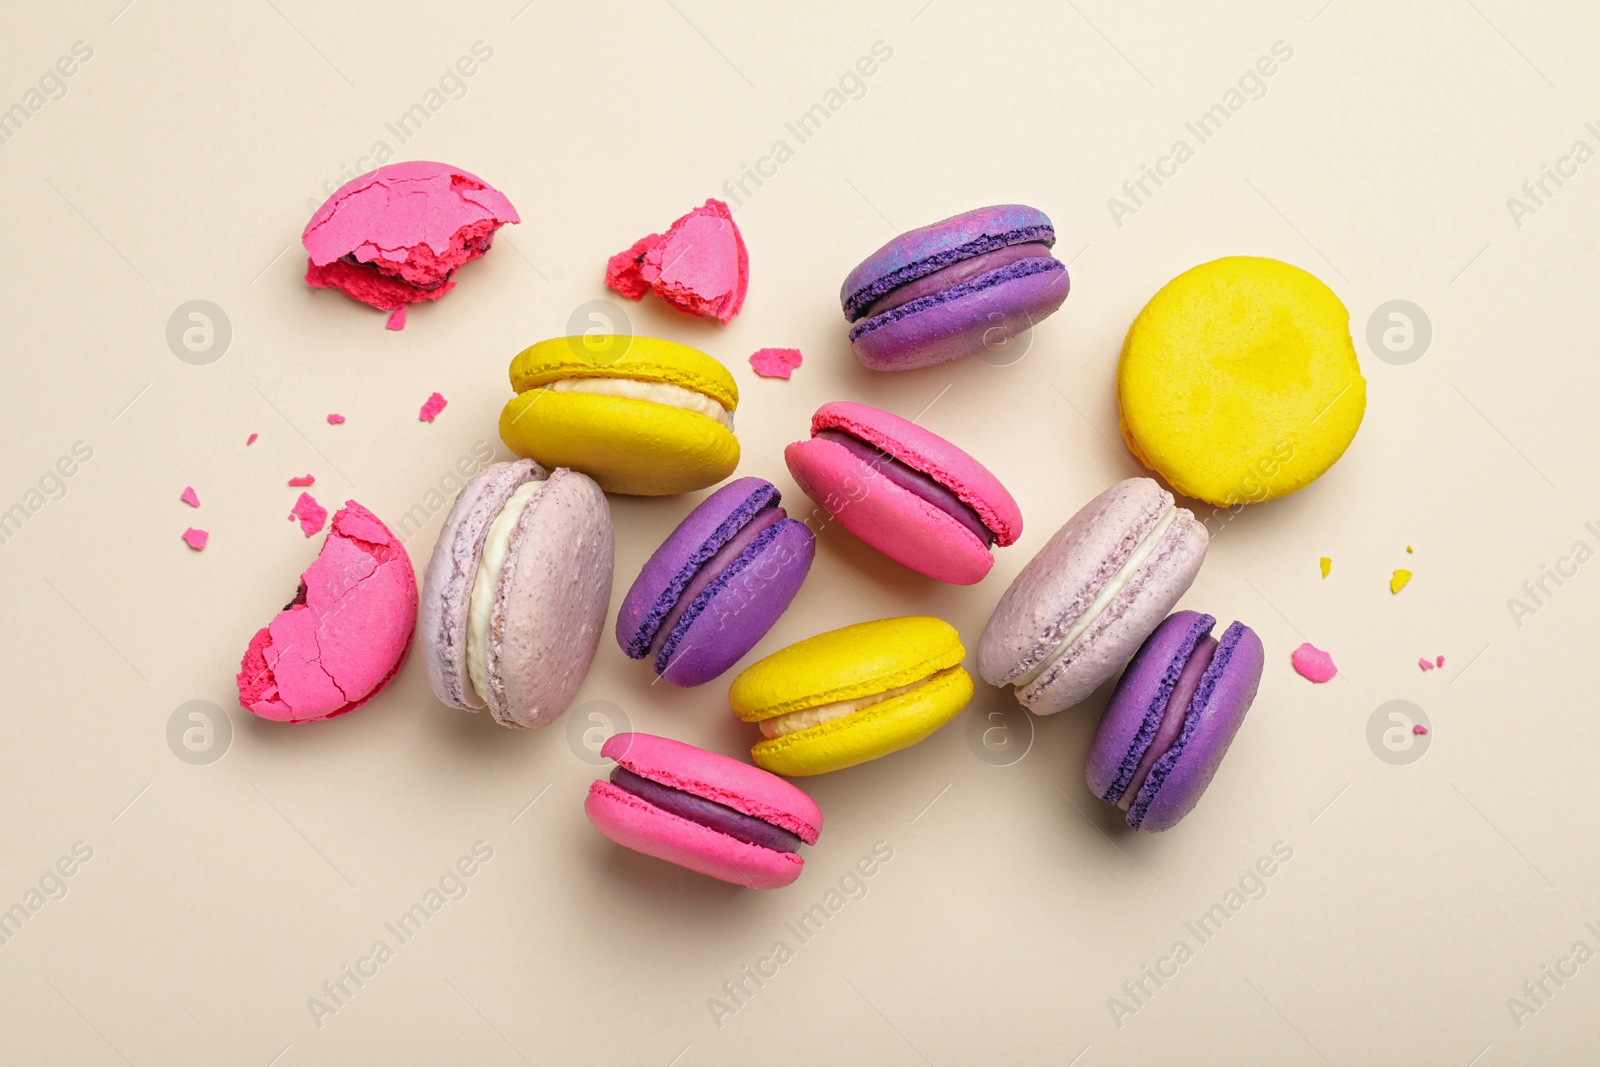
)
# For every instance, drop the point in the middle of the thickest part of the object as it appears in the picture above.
(954, 288)
(717, 584)
(1171, 719)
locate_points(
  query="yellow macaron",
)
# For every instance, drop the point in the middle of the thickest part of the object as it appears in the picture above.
(1239, 382)
(639, 415)
(852, 695)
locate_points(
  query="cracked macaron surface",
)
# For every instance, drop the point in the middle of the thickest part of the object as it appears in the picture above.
(699, 266)
(954, 288)
(395, 236)
(345, 634)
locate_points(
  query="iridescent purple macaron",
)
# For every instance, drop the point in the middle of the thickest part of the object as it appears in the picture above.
(717, 584)
(955, 288)
(1172, 717)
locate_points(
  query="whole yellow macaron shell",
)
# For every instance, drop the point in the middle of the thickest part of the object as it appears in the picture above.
(849, 664)
(641, 445)
(1239, 382)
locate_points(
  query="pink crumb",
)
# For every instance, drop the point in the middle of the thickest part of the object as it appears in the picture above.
(397, 319)
(188, 497)
(776, 362)
(251, 439)
(1439, 662)
(335, 419)
(1313, 663)
(699, 266)
(1419, 729)
(196, 539)
(310, 513)
(1425, 663)
(431, 407)
(304, 479)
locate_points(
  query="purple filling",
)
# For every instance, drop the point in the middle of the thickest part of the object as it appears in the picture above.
(708, 813)
(1022, 268)
(731, 550)
(1172, 719)
(913, 481)
(961, 271)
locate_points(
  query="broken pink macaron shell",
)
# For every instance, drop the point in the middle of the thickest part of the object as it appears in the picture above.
(334, 418)
(310, 514)
(776, 362)
(699, 265)
(303, 480)
(188, 496)
(431, 407)
(196, 539)
(345, 634)
(1313, 663)
(396, 235)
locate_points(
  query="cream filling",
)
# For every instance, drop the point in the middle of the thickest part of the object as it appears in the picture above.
(487, 579)
(805, 718)
(657, 392)
(1107, 595)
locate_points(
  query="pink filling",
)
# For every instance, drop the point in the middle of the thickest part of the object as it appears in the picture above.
(956, 273)
(1172, 718)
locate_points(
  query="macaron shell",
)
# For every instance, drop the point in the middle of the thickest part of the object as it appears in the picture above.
(636, 447)
(1137, 706)
(985, 316)
(636, 824)
(447, 583)
(1054, 587)
(1122, 627)
(926, 249)
(649, 359)
(891, 519)
(845, 664)
(870, 733)
(415, 203)
(1207, 743)
(720, 778)
(744, 603)
(1239, 381)
(550, 606)
(931, 454)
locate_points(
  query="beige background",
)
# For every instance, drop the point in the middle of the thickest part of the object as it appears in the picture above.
(218, 899)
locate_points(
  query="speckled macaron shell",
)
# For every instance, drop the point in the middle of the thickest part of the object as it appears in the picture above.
(903, 526)
(549, 609)
(447, 584)
(1049, 595)
(986, 311)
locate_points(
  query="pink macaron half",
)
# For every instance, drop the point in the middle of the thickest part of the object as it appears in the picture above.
(905, 491)
(703, 811)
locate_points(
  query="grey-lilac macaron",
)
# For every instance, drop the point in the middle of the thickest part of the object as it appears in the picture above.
(1172, 717)
(1091, 595)
(954, 288)
(516, 592)
(717, 584)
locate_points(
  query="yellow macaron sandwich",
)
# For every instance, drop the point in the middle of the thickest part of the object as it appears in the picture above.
(639, 415)
(853, 694)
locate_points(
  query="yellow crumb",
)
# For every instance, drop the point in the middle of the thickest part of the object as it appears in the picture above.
(1398, 582)
(1409, 548)
(1327, 565)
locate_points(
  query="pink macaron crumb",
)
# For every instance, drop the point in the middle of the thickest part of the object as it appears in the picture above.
(431, 407)
(776, 362)
(1439, 662)
(1419, 729)
(699, 266)
(1313, 663)
(311, 514)
(1425, 663)
(334, 418)
(251, 439)
(396, 319)
(303, 480)
(188, 496)
(196, 539)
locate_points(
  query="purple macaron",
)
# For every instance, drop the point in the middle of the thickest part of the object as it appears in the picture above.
(954, 288)
(717, 584)
(1173, 714)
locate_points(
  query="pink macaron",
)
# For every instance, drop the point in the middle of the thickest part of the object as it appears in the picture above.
(703, 811)
(905, 491)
